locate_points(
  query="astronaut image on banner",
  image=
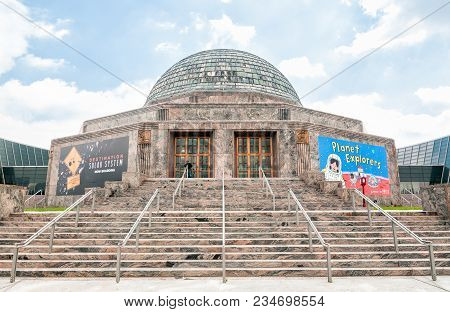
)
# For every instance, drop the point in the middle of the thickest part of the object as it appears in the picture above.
(333, 170)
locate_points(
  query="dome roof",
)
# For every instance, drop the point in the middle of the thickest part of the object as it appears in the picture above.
(222, 70)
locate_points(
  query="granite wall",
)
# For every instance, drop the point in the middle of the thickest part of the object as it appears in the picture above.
(12, 199)
(223, 116)
(217, 106)
(436, 198)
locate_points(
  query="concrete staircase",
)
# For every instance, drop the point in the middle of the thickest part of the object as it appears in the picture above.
(186, 241)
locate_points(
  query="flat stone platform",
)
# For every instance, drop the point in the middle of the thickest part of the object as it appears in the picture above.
(342, 284)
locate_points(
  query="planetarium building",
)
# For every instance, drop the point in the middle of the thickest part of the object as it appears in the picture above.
(222, 111)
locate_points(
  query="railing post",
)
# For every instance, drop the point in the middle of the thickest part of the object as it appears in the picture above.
(149, 218)
(369, 214)
(353, 202)
(432, 263)
(224, 277)
(273, 201)
(14, 264)
(394, 232)
(157, 202)
(137, 236)
(77, 217)
(179, 189)
(310, 238)
(52, 235)
(330, 277)
(119, 256)
(173, 202)
(289, 202)
(93, 200)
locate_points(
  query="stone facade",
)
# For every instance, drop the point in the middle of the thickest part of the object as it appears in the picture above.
(223, 121)
(222, 116)
(436, 198)
(12, 199)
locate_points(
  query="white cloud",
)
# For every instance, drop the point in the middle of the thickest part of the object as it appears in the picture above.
(165, 25)
(184, 30)
(199, 21)
(405, 129)
(223, 32)
(392, 21)
(225, 1)
(15, 33)
(301, 67)
(436, 95)
(169, 47)
(52, 108)
(42, 63)
(372, 7)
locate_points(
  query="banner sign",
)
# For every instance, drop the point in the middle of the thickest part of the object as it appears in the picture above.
(91, 164)
(348, 161)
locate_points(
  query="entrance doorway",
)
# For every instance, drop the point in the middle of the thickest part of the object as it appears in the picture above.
(252, 150)
(193, 148)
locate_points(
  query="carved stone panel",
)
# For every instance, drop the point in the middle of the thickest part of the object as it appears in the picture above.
(302, 136)
(144, 136)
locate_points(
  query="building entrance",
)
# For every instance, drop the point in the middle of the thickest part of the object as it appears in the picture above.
(253, 150)
(195, 149)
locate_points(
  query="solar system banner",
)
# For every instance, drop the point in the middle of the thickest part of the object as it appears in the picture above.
(348, 161)
(91, 164)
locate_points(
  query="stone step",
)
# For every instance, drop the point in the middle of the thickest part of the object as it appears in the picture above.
(229, 218)
(362, 230)
(146, 240)
(244, 223)
(349, 256)
(382, 248)
(184, 213)
(148, 233)
(230, 263)
(217, 272)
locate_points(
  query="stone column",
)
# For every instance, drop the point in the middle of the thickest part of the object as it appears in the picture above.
(223, 153)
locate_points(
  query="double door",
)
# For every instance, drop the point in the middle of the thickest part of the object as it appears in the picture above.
(195, 150)
(254, 151)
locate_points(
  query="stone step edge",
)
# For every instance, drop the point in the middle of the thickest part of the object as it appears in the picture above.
(230, 246)
(227, 253)
(230, 260)
(128, 269)
(145, 231)
(229, 239)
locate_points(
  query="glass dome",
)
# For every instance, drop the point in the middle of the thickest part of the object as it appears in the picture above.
(222, 70)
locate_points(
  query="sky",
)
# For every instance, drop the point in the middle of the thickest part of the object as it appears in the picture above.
(401, 92)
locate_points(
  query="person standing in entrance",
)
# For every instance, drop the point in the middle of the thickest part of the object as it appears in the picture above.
(188, 165)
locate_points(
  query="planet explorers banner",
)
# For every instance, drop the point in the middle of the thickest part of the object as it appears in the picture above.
(91, 164)
(348, 161)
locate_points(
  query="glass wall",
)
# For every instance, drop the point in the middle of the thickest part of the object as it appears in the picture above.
(425, 163)
(23, 165)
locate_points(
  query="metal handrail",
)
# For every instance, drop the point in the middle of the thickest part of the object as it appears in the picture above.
(224, 278)
(39, 201)
(136, 227)
(407, 201)
(267, 186)
(51, 224)
(395, 222)
(179, 187)
(32, 196)
(419, 200)
(311, 226)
